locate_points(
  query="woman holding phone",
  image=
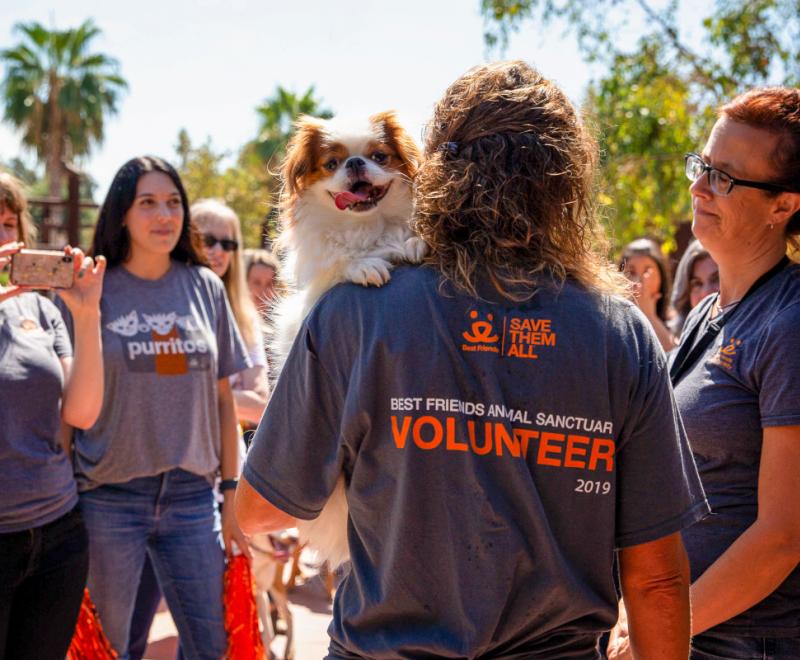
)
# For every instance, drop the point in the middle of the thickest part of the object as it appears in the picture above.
(168, 425)
(44, 379)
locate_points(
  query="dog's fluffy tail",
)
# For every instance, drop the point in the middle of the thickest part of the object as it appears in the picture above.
(327, 533)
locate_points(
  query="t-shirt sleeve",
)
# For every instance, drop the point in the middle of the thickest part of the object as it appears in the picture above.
(659, 491)
(776, 370)
(231, 351)
(59, 324)
(297, 453)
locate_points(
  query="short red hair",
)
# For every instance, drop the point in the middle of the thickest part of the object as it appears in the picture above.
(777, 110)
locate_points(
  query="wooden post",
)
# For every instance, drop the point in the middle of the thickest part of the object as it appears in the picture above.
(73, 206)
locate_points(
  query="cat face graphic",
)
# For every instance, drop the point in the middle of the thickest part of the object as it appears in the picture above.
(126, 325)
(161, 324)
(187, 323)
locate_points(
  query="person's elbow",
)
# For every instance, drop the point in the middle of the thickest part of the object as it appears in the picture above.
(80, 417)
(255, 514)
(658, 572)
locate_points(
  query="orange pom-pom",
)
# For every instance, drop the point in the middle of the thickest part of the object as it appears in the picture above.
(89, 642)
(241, 614)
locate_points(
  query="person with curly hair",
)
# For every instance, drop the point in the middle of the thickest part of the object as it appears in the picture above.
(502, 416)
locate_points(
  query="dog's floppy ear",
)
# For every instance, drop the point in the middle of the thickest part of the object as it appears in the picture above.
(400, 141)
(302, 152)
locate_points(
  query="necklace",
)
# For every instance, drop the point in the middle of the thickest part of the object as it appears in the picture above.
(723, 308)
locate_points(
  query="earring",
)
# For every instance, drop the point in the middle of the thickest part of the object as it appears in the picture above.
(771, 226)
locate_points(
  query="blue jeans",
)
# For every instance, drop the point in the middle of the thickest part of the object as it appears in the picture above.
(42, 577)
(172, 519)
(713, 646)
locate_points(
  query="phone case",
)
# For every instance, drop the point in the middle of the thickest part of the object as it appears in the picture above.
(42, 269)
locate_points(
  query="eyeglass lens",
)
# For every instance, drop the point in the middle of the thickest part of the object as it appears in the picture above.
(226, 243)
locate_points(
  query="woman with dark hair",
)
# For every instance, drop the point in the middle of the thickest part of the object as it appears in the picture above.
(644, 264)
(464, 401)
(45, 382)
(696, 277)
(737, 385)
(168, 425)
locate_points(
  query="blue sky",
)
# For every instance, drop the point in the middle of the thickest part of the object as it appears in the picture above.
(205, 65)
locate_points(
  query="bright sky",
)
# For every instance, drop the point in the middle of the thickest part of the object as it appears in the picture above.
(206, 65)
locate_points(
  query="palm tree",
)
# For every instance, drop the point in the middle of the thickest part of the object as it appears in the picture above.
(57, 93)
(278, 114)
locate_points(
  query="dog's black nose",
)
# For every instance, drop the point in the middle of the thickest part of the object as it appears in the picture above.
(355, 164)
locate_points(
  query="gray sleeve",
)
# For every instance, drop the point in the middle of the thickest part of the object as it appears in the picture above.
(231, 351)
(777, 369)
(658, 489)
(59, 323)
(297, 453)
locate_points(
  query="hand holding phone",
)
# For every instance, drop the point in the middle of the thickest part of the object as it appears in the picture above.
(7, 251)
(42, 269)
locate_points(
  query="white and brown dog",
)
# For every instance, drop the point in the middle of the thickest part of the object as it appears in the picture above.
(346, 208)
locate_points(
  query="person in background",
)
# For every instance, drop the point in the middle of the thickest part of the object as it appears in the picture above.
(263, 278)
(696, 277)
(479, 525)
(222, 240)
(644, 264)
(167, 428)
(45, 380)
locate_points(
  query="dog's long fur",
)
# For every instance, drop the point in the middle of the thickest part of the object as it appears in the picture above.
(368, 169)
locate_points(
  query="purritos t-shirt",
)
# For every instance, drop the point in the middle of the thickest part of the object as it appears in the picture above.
(38, 486)
(747, 380)
(495, 455)
(166, 343)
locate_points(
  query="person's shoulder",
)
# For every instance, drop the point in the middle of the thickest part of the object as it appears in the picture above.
(201, 275)
(402, 279)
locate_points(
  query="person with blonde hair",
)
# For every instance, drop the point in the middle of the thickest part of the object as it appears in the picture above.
(222, 240)
(503, 419)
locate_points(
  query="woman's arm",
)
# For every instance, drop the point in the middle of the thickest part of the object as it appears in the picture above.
(83, 373)
(252, 394)
(761, 558)
(229, 465)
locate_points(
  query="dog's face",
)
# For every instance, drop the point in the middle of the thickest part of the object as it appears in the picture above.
(350, 170)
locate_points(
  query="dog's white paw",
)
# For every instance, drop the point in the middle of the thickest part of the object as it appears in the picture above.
(415, 249)
(372, 271)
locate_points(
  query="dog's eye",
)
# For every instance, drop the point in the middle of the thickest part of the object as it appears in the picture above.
(331, 165)
(380, 157)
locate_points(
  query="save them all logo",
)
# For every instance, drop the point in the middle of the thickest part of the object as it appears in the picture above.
(520, 337)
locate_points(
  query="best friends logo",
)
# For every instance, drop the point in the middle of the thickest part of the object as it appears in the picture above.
(520, 337)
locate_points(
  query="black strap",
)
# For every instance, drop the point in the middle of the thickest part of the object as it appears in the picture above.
(692, 348)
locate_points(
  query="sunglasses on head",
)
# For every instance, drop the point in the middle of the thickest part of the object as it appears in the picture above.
(227, 244)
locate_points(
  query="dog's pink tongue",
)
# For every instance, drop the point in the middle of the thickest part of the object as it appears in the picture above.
(346, 198)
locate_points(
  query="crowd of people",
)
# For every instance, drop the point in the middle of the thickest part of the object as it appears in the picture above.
(638, 477)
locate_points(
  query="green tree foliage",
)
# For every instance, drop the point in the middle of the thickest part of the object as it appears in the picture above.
(277, 115)
(250, 186)
(245, 186)
(657, 99)
(58, 92)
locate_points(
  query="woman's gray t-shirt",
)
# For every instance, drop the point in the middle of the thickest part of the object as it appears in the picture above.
(495, 454)
(38, 486)
(166, 343)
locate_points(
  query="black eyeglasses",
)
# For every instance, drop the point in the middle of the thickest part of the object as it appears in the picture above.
(227, 244)
(721, 183)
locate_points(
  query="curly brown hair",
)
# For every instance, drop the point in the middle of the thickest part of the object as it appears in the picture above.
(506, 186)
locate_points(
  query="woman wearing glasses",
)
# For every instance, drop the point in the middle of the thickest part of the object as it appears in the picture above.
(168, 423)
(737, 385)
(222, 238)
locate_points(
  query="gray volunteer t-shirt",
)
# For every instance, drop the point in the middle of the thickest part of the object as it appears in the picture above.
(38, 486)
(495, 456)
(166, 342)
(747, 380)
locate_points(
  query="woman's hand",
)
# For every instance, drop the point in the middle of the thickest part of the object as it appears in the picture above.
(230, 529)
(84, 294)
(619, 644)
(6, 251)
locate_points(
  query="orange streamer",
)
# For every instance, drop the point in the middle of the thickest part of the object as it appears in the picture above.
(241, 614)
(89, 641)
